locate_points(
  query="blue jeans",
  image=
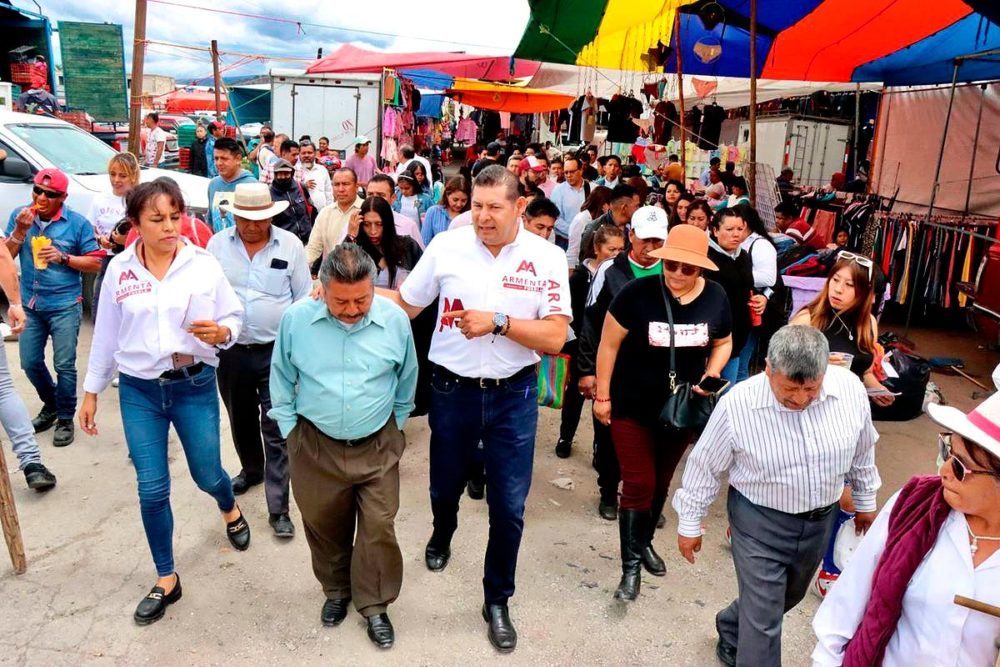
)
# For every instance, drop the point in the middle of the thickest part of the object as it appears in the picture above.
(738, 367)
(148, 409)
(64, 328)
(15, 418)
(504, 418)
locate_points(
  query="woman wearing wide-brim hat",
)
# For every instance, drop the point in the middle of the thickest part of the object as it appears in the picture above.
(938, 537)
(633, 383)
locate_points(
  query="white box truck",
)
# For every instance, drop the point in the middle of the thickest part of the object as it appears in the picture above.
(813, 148)
(336, 106)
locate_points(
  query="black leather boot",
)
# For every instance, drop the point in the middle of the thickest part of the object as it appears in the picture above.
(632, 531)
(650, 559)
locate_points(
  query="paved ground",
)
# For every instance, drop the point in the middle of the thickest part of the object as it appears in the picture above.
(89, 566)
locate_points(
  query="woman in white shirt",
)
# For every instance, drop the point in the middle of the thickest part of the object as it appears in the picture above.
(107, 209)
(596, 205)
(167, 306)
(937, 538)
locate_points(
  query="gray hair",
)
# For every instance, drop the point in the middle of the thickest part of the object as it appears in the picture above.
(799, 352)
(497, 176)
(347, 263)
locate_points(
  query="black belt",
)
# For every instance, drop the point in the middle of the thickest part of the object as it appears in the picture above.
(183, 373)
(255, 346)
(816, 514)
(484, 383)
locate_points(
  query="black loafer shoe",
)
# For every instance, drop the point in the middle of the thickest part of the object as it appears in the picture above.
(564, 448)
(653, 563)
(726, 652)
(238, 532)
(282, 525)
(608, 511)
(38, 477)
(380, 631)
(334, 612)
(661, 522)
(45, 420)
(63, 435)
(154, 606)
(436, 555)
(242, 484)
(476, 490)
(502, 634)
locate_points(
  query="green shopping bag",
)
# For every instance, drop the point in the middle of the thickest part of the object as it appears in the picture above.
(553, 376)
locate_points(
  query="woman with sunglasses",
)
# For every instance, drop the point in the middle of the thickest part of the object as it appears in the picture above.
(843, 312)
(936, 538)
(633, 383)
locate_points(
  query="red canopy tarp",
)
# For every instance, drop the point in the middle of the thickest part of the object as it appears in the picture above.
(185, 102)
(488, 68)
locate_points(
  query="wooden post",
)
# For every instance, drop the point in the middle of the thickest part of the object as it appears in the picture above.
(8, 518)
(135, 103)
(752, 180)
(218, 80)
(680, 88)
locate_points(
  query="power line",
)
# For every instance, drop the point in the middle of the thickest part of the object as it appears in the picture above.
(322, 26)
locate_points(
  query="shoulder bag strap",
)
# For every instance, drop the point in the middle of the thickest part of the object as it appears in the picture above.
(670, 321)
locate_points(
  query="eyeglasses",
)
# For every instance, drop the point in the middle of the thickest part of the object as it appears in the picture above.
(685, 269)
(958, 466)
(860, 260)
(51, 194)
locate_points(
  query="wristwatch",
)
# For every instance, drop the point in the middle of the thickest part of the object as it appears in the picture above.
(499, 323)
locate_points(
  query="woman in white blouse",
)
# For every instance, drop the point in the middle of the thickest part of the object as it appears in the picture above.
(107, 210)
(936, 538)
(166, 307)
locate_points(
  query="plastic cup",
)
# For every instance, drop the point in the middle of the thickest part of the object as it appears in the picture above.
(37, 243)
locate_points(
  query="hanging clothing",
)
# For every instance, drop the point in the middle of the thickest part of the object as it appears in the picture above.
(711, 126)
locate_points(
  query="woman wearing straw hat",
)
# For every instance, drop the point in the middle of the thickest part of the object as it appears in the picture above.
(633, 383)
(936, 538)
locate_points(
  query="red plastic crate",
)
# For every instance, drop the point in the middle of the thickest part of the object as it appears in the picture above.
(21, 72)
(78, 118)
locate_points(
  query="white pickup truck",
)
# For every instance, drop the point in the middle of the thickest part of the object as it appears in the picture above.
(33, 143)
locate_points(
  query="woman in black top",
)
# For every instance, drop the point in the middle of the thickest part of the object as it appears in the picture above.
(843, 312)
(394, 255)
(633, 383)
(735, 275)
(198, 164)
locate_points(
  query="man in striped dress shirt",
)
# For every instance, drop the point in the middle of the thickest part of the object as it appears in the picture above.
(788, 438)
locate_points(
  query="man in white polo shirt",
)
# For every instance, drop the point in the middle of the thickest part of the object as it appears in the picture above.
(503, 294)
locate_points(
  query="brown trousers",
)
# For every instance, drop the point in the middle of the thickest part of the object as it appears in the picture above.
(336, 487)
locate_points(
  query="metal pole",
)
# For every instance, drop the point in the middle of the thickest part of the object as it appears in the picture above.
(218, 80)
(878, 152)
(135, 103)
(975, 147)
(857, 128)
(752, 181)
(680, 88)
(930, 207)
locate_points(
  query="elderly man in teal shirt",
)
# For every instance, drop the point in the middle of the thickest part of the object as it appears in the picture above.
(341, 389)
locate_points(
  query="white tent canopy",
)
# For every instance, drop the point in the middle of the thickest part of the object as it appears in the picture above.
(729, 91)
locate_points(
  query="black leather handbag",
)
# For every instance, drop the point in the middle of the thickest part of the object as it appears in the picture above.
(683, 409)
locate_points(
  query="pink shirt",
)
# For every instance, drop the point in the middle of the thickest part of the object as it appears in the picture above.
(364, 167)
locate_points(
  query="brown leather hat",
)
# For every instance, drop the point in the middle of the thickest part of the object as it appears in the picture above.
(686, 244)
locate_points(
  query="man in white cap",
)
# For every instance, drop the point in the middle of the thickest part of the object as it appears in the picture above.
(267, 268)
(647, 233)
(361, 162)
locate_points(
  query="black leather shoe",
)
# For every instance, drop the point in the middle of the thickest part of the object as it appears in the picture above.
(334, 612)
(726, 652)
(154, 606)
(608, 511)
(502, 634)
(38, 477)
(282, 525)
(380, 631)
(437, 554)
(661, 521)
(242, 484)
(564, 448)
(45, 420)
(475, 489)
(64, 433)
(238, 532)
(653, 563)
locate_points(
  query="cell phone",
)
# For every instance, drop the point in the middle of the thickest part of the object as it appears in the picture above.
(711, 385)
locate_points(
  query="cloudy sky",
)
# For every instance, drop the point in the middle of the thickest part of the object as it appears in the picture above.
(482, 27)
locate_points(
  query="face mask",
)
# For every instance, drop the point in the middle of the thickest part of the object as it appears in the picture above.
(283, 184)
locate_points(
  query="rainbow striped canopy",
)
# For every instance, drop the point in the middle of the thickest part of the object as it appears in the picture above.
(898, 42)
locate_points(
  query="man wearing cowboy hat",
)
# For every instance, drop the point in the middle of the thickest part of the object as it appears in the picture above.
(267, 268)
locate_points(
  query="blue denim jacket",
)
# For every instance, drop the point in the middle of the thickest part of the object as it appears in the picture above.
(58, 286)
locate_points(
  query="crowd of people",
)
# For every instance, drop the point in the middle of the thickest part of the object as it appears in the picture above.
(329, 301)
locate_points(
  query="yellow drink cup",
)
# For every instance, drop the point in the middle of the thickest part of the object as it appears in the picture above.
(37, 243)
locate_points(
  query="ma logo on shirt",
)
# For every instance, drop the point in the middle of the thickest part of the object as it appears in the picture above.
(449, 306)
(134, 286)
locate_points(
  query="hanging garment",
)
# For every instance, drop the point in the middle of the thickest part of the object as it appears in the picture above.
(711, 126)
(966, 270)
(665, 120)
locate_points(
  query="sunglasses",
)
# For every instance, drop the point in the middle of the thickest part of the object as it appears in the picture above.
(51, 194)
(958, 466)
(685, 269)
(860, 260)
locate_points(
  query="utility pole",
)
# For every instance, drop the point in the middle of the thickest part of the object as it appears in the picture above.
(135, 98)
(680, 90)
(218, 80)
(752, 176)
